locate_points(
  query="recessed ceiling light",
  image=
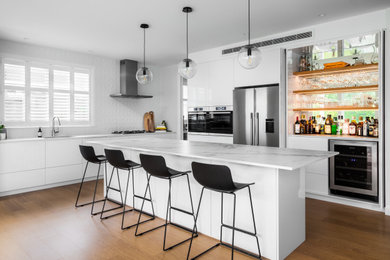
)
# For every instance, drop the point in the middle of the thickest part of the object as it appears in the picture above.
(321, 15)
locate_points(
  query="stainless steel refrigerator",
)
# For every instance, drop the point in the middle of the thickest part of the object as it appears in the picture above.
(256, 115)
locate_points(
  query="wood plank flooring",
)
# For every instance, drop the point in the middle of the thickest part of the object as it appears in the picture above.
(45, 225)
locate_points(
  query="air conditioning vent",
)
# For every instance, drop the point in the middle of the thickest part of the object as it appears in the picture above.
(275, 41)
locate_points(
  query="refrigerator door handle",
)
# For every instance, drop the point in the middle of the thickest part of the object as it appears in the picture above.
(252, 133)
(257, 129)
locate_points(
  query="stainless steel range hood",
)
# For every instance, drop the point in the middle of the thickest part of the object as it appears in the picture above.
(128, 82)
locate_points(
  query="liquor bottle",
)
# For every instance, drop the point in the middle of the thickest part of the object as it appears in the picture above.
(371, 127)
(297, 127)
(328, 125)
(318, 125)
(340, 125)
(302, 126)
(360, 126)
(334, 126)
(353, 126)
(310, 126)
(346, 126)
(376, 128)
(314, 123)
(322, 129)
(366, 125)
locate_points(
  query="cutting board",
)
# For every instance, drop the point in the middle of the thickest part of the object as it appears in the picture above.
(149, 125)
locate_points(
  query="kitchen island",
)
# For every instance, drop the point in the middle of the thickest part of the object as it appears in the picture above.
(278, 192)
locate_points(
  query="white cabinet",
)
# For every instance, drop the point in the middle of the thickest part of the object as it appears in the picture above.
(22, 156)
(63, 152)
(21, 180)
(316, 174)
(198, 87)
(221, 82)
(64, 173)
(267, 72)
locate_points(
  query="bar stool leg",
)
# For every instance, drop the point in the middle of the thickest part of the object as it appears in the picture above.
(81, 185)
(234, 224)
(254, 223)
(192, 204)
(142, 207)
(168, 212)
(94, 193)
(106, 198)
(193, 230)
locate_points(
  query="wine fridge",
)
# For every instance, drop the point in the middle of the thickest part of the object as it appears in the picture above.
(354, 171)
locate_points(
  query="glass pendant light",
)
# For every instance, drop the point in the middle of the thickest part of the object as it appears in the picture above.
(187, 67)
(249, 56)
(144, 75)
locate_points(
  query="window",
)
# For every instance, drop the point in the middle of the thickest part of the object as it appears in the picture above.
(34, 93)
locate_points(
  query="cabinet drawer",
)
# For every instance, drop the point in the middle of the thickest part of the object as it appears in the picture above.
(63, 152)
(21, 180)
(22, 156)
(64, 173)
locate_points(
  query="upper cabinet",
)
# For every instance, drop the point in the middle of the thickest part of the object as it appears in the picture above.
(212, 85)
(215, 80)
(221, 82)
(268, 71)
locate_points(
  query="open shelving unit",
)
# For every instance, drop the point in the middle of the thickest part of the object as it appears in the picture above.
(348, 69)
(336, 90)
(338, 108)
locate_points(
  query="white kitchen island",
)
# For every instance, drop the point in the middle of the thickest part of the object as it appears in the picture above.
(278, 193)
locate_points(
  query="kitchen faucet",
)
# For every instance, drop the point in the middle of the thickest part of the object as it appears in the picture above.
(55, 130)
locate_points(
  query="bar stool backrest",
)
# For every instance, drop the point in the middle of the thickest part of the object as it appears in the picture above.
(88, 153)
(155, 165)
(215, 177)
(116, 158)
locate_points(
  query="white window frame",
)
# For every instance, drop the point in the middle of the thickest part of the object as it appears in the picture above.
(51, 65)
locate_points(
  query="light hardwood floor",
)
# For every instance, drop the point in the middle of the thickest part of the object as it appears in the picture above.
(45, 225)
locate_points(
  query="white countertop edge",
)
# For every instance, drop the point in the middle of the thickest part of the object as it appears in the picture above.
(11, 140)
(313, 158)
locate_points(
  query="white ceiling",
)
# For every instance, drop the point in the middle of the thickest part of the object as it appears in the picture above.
(111, 27)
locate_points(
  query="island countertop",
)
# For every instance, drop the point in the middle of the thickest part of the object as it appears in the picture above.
(270, 157)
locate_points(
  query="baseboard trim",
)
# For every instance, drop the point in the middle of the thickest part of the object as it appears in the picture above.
(346, 201)
(44, 187)
(387, 211)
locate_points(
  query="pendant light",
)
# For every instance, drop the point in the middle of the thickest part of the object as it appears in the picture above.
(144, 75)
(249, 56)
(187, 67)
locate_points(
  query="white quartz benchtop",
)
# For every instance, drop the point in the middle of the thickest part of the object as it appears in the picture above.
(287, 159)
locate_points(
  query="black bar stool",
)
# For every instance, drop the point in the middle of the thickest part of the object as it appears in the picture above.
(89, 155)
(117, 160)
(155, 166)
(219, 178)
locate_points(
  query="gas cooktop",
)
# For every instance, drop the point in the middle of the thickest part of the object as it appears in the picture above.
(128, 132)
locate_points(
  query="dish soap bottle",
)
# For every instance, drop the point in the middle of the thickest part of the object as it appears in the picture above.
(40, 132)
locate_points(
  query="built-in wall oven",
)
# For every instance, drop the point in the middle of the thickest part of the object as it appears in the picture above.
(216, 120)
(354, 171)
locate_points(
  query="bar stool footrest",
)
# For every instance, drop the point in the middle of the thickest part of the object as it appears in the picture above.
(142, 198)
(115, 214)
(88, 203)
(239, 230)
(181, 210)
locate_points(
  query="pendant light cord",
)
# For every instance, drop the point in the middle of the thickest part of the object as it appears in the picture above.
(187, 34)
(144, 45)
(249, 22)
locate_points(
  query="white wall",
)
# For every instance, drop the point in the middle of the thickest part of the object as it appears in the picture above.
(108, 113)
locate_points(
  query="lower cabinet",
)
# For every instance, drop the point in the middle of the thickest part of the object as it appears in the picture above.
(63, 173)
(21, 180)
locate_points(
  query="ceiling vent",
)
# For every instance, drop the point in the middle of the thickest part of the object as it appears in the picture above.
(275, 41)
